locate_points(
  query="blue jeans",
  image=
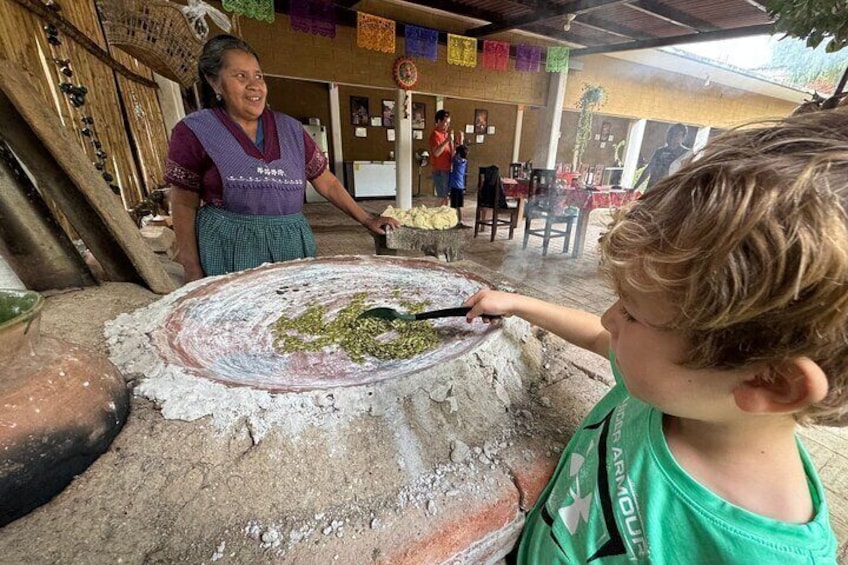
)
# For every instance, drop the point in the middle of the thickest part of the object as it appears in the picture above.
(440, 182)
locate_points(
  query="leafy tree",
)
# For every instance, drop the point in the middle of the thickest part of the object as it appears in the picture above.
(812, 20)
(797, 65)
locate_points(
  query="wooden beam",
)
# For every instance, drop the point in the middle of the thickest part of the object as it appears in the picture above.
(612, 28)
(64, 174)
(675, 40)
(671, 15)
(573, 7)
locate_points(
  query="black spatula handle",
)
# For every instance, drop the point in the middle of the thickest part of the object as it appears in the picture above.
(447, 313)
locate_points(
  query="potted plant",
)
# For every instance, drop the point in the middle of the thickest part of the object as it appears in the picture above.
(592, 98)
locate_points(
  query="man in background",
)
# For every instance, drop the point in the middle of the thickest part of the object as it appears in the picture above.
(442, 150)
(667, 159)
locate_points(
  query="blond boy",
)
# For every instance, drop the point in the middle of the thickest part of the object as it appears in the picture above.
(731, 328)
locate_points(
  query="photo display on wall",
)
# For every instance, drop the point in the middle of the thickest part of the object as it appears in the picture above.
(359, 110)
(481, 121)
(419, 115)
(388, 113)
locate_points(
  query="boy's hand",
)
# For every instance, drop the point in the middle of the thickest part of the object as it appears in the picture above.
(489, 302)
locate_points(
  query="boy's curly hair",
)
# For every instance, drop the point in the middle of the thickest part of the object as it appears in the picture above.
(750, 241)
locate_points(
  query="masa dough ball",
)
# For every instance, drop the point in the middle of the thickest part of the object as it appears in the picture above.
(422, 217)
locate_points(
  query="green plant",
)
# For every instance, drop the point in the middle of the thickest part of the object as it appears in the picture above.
(812, 20)
(592, 98)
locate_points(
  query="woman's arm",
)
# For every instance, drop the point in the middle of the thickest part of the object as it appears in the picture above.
(184, 204)
(330, 188)
(575, 326)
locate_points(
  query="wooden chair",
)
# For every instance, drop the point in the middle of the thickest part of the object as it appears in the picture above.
(490, 196)
(541, 206)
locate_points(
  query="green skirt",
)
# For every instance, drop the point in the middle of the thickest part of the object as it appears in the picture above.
(229, 242)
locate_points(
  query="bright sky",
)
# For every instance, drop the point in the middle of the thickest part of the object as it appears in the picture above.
(745, 52)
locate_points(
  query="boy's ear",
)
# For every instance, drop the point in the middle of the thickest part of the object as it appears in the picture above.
(782, 387)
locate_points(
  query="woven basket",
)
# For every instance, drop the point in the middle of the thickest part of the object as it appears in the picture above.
(155, 32)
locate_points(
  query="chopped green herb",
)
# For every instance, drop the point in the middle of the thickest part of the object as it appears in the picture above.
(359, 337)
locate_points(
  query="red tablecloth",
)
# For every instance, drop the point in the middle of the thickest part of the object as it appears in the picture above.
(583, 199)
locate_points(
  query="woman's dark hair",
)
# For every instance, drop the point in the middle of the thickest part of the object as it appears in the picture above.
(210, 63)
(674, 130)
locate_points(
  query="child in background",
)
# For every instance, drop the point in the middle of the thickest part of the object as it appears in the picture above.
(459, 167)
(731, 328)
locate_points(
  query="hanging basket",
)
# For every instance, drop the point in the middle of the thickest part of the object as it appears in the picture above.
(156, 32)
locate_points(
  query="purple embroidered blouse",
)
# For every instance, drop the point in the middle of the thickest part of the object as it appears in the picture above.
(190, 167)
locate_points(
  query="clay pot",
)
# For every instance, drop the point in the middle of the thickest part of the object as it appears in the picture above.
(60, 407)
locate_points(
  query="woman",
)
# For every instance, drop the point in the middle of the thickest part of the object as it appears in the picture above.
(238, 172)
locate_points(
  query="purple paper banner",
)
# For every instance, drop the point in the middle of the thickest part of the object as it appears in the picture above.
(528, 58)
(421, 42)
(313, 16)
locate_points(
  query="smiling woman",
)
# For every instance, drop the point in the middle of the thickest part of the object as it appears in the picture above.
(238, 172)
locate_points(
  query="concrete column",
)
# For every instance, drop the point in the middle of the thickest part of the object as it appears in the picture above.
(440, 103)
(336, 131)
(516, 141)
(170, 100)
(403, 148)
(635, 135)
(701, 138)
(549, 130)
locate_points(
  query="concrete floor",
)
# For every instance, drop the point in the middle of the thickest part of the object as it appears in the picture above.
(575, 283)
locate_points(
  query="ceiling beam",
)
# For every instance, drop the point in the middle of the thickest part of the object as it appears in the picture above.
(671, 15)
(606, 26)
(675, 40)
(346, 4)
(549, 12)
(457, 8)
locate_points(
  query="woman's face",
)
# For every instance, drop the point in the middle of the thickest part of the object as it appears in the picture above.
(241, 84)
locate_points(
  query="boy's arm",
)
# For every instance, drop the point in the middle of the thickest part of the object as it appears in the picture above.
(575, 326)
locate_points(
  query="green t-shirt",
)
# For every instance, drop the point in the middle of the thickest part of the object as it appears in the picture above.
(618, 496)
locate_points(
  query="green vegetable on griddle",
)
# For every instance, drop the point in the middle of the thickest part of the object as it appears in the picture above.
(360, 338)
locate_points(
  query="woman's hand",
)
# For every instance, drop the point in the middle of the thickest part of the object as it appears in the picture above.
(377, 224)
(490, 302)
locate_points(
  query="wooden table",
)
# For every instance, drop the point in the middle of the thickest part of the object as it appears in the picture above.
(584, 200)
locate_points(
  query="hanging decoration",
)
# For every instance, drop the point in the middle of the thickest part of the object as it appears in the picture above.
(462, 50)
(495, 55)
(313, 16)
(197, 10)
(528, 58)
(405, 74)
(76, 94)
(262, 10)
(375, 33)
(557, 59)
(421, 42)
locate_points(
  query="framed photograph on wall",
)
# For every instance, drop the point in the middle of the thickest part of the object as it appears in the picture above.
(376, 121)
(419, 115)
(481, 121)
(418, 134)
(359, 110)
(388, 113)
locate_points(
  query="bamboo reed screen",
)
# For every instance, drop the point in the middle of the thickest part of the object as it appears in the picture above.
(23, 41)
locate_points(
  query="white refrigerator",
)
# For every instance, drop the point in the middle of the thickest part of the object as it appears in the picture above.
(319, 136)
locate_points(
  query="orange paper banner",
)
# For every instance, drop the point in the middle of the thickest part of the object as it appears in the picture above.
(375, 33)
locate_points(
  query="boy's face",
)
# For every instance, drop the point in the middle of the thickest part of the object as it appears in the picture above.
(649, 358)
